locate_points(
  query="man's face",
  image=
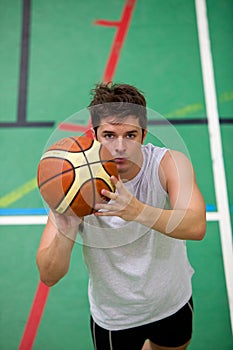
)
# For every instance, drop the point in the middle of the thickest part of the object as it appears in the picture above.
(123, 139)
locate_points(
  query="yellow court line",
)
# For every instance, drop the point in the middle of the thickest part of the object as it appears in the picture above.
(226, 96)
(182, 112)
(20, 192)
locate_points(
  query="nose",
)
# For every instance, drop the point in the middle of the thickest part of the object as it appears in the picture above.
(120, 145)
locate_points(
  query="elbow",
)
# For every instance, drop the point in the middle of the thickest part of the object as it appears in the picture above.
(200, 230)
(47, 278)
(50, 279)
(47, 282)
(49, 275)
(200, 235)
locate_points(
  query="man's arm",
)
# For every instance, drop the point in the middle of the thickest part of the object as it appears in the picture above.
(187, 217)
(54, 252)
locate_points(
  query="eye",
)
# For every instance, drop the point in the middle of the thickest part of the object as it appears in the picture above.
(108, 136)
(131, 136)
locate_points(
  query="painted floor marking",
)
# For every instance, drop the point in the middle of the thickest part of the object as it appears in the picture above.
(216, 148)
(17, 194)
(8, 220)
(34, 318)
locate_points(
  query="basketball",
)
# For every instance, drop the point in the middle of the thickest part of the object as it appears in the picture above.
(71, 174)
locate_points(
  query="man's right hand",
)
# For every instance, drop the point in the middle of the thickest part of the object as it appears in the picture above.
(66, 225)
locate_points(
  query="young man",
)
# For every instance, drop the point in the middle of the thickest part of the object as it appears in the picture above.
(139, 275)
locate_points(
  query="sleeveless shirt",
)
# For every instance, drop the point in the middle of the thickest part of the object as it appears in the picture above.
(136, 275)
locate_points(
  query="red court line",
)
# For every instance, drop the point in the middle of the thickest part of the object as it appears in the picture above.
(106, 23)
(77, 128)
(42, 293)
(122, 29)
(34, 317)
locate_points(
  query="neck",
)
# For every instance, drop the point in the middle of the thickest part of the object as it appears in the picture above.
(133, 171)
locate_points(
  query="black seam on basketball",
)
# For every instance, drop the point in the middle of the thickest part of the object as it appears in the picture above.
(77, 143)
(89, 167)
(108, 161)
(61, 149)
(59, 174)
(70, 204)
(92, 208)
(68, 150)
(74, 168)
(101, 179)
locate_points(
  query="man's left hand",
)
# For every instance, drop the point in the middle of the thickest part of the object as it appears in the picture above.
(122, 203)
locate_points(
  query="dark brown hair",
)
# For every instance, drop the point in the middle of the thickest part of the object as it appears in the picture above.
(119, 100)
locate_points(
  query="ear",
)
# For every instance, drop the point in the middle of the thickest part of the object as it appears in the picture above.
(94, 130)
(144, 133)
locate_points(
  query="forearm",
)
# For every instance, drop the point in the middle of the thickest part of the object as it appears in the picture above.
(53, 261)
(177, 223)
(186, 224)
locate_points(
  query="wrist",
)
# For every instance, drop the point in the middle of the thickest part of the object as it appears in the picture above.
(67, 234)
(148, 216)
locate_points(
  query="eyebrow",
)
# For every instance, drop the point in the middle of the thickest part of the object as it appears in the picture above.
(113, 132)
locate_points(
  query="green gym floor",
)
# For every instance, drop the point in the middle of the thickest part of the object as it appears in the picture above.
(51, 55)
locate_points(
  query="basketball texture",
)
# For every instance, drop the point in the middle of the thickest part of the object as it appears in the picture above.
(72, 172)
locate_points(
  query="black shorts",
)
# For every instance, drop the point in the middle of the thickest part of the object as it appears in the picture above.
(172, 331)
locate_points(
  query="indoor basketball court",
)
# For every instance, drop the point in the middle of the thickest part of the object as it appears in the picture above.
(179, 53)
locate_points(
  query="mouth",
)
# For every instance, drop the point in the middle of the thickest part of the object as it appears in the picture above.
(120, 160)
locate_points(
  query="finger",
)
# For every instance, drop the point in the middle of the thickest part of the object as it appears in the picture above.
(106, 213)
(117, 183)
(120, 188)
(114, 180)
(108, 194)
(100, 206)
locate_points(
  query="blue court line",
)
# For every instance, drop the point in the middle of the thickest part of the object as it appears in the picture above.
(210, 207)
(43, 211)
(23, 211)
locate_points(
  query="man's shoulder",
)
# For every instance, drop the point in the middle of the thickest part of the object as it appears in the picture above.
(150, 146)
(153, 151)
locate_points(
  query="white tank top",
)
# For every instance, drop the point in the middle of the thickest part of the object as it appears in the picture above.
(136, 275)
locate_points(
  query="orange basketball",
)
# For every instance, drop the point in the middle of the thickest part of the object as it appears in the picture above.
(72, 172)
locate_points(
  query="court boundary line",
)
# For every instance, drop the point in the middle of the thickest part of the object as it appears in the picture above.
(216, 147)
(13, 220)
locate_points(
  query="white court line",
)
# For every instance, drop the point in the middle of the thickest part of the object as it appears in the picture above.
(42, 219)
(216, 148)
(23, 220)
(212, 216)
